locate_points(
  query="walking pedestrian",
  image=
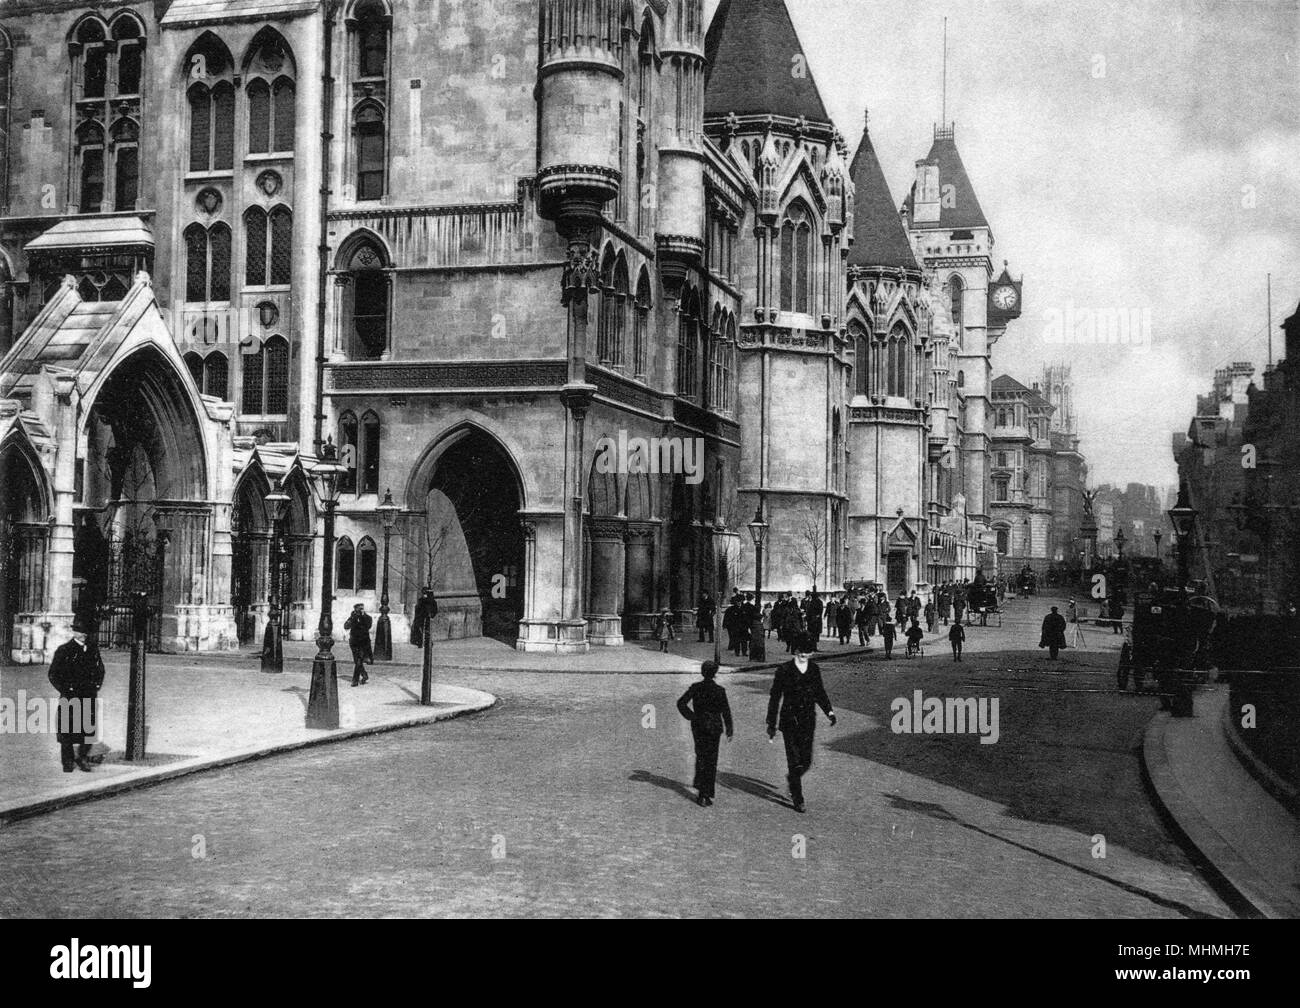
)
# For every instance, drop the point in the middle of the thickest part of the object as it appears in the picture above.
(929, 616)
(862, 619)
(956, 637)
(832, 615)
(793, 624)
(358, 628)
(705, 706)
(767, 619)
(426, 608)
(814, 616)
(797, 689)
(887, 634)
(945, 605)
(77, 672)
(1116, 615)
(1053, 636)
(664, 630)
(959, 607)
(900, 611)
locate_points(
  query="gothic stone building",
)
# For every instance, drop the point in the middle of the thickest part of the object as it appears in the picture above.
(463, 245)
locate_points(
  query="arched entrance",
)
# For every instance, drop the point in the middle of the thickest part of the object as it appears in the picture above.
(144, 523)
(250, 549)
(24, 535)
(469, 545)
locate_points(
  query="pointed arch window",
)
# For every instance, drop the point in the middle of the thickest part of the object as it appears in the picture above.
(367, 565)
(194, 364)
(796, 260)
(896, 370)
(268, 251)
(366, 313)
(605, 320)
(207, 263)
(368, 464)
(861, 362)
(90, 161)
(369, 135)
(349, 451)
(372, 23)
(955, 291)
(210, 71)
(271, 71)
(687, 355)
(641, 325)
(126, 164)
(344, 564)
(266, 379)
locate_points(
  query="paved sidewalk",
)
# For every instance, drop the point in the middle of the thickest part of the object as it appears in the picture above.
(1244, 834)
(198, 716)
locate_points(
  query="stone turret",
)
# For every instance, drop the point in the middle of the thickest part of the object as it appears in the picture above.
(580, 79)
(679, 239)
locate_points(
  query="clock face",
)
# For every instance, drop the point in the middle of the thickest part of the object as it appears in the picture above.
(1005, 298)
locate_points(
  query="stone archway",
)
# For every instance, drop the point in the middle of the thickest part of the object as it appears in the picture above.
(467, 542)
(24, 540)
(145, 522)
(250, 554)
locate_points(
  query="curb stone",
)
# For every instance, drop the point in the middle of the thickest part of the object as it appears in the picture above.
(194, 765)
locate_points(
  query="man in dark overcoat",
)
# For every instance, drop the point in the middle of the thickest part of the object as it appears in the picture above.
(705, 613)
(1053, 637)
(797, 691)
(705, 706)
(358, 628)
(77, 672)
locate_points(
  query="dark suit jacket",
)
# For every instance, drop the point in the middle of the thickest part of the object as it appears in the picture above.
(76, 671)
(791, 705)
(705, 706)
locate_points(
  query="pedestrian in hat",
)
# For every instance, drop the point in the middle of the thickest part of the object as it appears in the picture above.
(797, 691)
(705, 706)
(1053, 636)
(956, 637)
(77, 672)
(358, 628)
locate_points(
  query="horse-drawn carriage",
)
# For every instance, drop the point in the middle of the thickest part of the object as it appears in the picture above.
(982, 601)
(1170, 638)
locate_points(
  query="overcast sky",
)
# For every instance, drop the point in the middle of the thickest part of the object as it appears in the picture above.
(1142, 156)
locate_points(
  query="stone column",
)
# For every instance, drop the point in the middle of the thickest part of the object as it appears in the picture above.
(544, 626)
(608, 557)
(639, 580)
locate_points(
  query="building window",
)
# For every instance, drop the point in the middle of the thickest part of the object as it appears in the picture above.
(1000, 489)
(372, 40)
(641, 325)
(207, 263)
(211, 98)
(269, 68)
(896, 383)
(955, 291)
(266, 379)
(359, 452)
(365, 321)
(1002, 460)
(367, 566)
(268, 253)
(344, 565)
(796, 260)
(90, 157)
(368, 129)
(107, 62)
(862, 362)
(687, 355)
(216, 375)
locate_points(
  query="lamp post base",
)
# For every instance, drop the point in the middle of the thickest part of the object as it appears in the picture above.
(323, 703)
(383, 639)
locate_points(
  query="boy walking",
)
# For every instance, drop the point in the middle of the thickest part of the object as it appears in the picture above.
(705, 706)
(956, 636)
(664, 630)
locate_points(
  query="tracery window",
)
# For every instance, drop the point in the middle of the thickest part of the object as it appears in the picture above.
(796, 260)
(268, 254)
(107, 71)
(271, 90)
(211, 99)
(359, 452)
(365, 309)
(207, 263)
(687, 381)
(266, 379)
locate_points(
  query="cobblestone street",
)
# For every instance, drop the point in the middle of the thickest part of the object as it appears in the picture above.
(571, 797)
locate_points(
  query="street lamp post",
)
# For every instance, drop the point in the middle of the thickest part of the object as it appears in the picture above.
(758, 532)
(277, 502)
(384, 630)
(323, 703)
(1183, 516)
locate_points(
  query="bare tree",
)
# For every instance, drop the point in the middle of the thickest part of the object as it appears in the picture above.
(812, 543)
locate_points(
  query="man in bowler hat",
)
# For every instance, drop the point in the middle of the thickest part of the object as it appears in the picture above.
(358, 628)
(796, 690)
(77, 672)
(705, 706)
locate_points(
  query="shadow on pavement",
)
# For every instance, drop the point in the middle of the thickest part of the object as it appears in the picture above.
(753, 786)
(667, 783)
